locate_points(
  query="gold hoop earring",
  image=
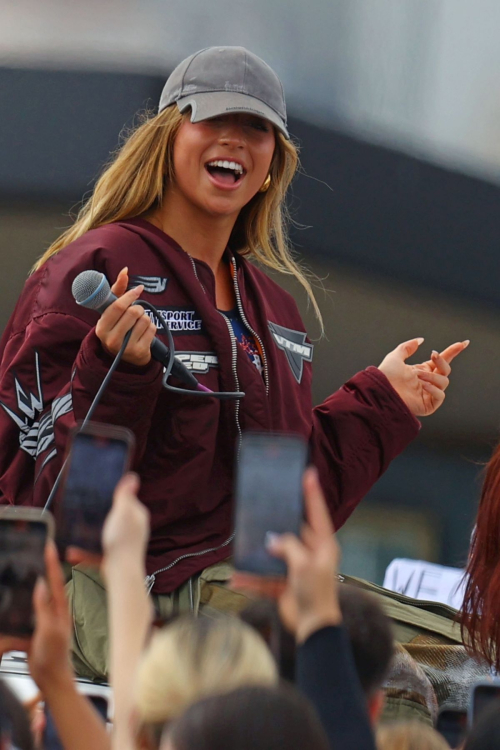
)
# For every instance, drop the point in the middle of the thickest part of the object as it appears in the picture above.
(265, 185)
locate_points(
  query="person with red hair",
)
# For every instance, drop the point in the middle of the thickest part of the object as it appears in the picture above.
(480, 615)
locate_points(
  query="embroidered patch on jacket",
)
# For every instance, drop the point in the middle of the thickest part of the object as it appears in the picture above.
(178, 319)
(152, 284)
(293, 343)
(199, 362)
(36, 431)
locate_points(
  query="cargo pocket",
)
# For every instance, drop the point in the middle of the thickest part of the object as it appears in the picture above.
(215, 598)
(88, 606)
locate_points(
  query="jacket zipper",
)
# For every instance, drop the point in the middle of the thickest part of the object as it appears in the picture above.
(254, 333)
(150, 580)
(234, 351)
(234, 357)
(196, 272)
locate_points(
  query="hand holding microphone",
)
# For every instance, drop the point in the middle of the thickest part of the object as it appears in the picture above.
(121, 316)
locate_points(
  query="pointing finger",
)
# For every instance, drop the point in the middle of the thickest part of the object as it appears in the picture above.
(442, 361)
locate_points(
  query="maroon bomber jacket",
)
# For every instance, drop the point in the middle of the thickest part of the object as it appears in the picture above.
(52, 365)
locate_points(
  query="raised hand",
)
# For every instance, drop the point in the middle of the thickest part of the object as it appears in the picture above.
(48, 653)
(120, 317)
(126, 529)
(309, 600)
(308, 595)
(422, 387)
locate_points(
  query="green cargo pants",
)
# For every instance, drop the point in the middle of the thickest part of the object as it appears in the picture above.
(205, 593)
(427, 631)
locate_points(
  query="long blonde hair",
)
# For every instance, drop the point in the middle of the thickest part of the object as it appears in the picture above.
(134, 181)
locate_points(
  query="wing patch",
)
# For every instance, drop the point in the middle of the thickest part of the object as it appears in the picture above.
(294, 345)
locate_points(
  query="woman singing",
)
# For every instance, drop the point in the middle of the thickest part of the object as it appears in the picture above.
(193, 197)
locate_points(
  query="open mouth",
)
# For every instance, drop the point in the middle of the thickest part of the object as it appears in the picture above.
(228, 172)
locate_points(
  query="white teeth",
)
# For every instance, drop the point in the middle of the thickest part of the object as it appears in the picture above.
(227, 165)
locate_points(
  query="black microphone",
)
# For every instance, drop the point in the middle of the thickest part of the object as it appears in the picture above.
(91, 289)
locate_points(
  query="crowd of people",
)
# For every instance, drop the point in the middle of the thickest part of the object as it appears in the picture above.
(217, 683)
(195, 193)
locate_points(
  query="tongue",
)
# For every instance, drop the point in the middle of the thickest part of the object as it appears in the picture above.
(224, 175)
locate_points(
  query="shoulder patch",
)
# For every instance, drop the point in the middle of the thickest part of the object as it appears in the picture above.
(152, 284)
(293, 343)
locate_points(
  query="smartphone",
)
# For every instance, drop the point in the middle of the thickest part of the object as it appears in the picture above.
(268, 498)
(99, 455)
(452, 725)
(482, 695)
(23, 536)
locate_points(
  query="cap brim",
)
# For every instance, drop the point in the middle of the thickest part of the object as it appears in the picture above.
(206, 105)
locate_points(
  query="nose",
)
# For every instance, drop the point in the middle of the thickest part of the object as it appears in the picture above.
(232, 134)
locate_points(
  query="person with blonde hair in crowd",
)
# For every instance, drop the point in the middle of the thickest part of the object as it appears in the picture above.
(193, 197)
(193, 658)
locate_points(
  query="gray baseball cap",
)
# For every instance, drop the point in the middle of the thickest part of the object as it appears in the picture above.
(221, 80)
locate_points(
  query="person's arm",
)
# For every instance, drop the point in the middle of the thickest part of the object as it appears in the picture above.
(361, 428)
(50, 370)
(125, 538)
(132, 392)
(309, 607)
(326, 674)
(131, 395)
(78, 724)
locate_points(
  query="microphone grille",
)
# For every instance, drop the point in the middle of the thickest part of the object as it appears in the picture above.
(90, 289)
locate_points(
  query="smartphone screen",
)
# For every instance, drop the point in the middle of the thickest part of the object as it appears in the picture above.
(95, 465)
(482, 696)
(452, 725)
(22, 545)
(268, 498)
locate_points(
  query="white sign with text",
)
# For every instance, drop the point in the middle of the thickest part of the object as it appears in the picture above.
(424, 580)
